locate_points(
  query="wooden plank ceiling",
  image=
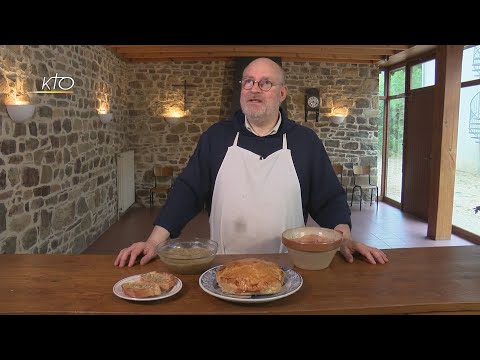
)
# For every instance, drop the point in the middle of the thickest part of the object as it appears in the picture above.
(353, 54)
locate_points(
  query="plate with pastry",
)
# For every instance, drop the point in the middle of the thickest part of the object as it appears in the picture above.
(150, 286)
(250, 280)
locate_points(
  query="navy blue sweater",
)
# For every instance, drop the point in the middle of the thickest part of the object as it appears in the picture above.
(322, 195)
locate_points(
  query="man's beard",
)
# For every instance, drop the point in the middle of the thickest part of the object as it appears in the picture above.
(255, 115)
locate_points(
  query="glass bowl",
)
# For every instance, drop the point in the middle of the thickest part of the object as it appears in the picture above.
(187, 256)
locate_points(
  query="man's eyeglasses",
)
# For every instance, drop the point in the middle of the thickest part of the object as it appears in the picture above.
(263, 84)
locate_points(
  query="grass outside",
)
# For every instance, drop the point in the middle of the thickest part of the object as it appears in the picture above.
(466, 197)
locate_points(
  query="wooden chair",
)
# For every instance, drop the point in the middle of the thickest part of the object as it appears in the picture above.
(161, 171)
(359, 175)
(338, 168)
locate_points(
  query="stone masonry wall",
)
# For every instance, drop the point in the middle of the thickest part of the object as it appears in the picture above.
(57, 171)
(151, 89)
(354, 142)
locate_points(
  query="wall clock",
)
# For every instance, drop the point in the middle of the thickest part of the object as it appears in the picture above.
(312, 102)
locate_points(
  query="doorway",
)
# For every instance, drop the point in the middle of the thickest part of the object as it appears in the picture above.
(417, 149)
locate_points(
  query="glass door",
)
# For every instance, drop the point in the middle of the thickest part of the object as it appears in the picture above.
(381, 120)
(395, 120)
(466, 203)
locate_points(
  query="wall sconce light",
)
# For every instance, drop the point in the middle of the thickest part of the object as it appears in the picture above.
(174, 116)
(172, 120)
(103, 114)
(20, 112)
(105, 118)
(338, 114)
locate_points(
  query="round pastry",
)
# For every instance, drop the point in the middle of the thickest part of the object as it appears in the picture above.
(250, 276)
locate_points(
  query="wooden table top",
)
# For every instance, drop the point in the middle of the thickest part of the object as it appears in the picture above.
(416, 280)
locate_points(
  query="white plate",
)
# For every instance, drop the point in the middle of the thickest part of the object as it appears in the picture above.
(117, 290)
(208, 282)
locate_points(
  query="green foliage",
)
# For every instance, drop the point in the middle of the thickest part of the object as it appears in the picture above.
(381, 109)
(397, 82)
(416, 80)
(395, 133)
(396, 112)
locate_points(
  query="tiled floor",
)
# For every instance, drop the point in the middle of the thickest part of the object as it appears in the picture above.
(388, 227)
(384, 228)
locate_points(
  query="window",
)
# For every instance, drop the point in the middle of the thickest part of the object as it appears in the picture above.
(422, 75)
(396, 83)
(471, 63)
(395, 119)
(381, 120)
(396, 108)
(467, 173)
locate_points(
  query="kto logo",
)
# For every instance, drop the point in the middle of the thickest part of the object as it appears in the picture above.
(57, 85)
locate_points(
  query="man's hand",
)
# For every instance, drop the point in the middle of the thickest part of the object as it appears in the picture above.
(349, 247)
(148, 248)
(372, 254)
(131, 253)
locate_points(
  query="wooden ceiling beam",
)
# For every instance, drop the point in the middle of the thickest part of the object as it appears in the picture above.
(297, 56)
(376, 54)
(293, 50)
(227, 59)
(412, 52)
(330, 60)
(140, 60)
(286, 48)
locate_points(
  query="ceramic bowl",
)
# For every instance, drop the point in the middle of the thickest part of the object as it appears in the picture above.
(310, 247)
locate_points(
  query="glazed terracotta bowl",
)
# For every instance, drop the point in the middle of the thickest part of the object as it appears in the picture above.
(310, 247)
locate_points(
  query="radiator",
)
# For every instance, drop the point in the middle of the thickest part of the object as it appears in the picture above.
(125, 180)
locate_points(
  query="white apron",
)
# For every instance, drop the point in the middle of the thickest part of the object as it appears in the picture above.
(254, 201)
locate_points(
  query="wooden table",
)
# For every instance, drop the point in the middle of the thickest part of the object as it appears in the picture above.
(416, 280)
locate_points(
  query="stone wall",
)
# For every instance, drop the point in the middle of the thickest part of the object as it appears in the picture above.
(57, 171)
(354, 142)
(151, 88)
